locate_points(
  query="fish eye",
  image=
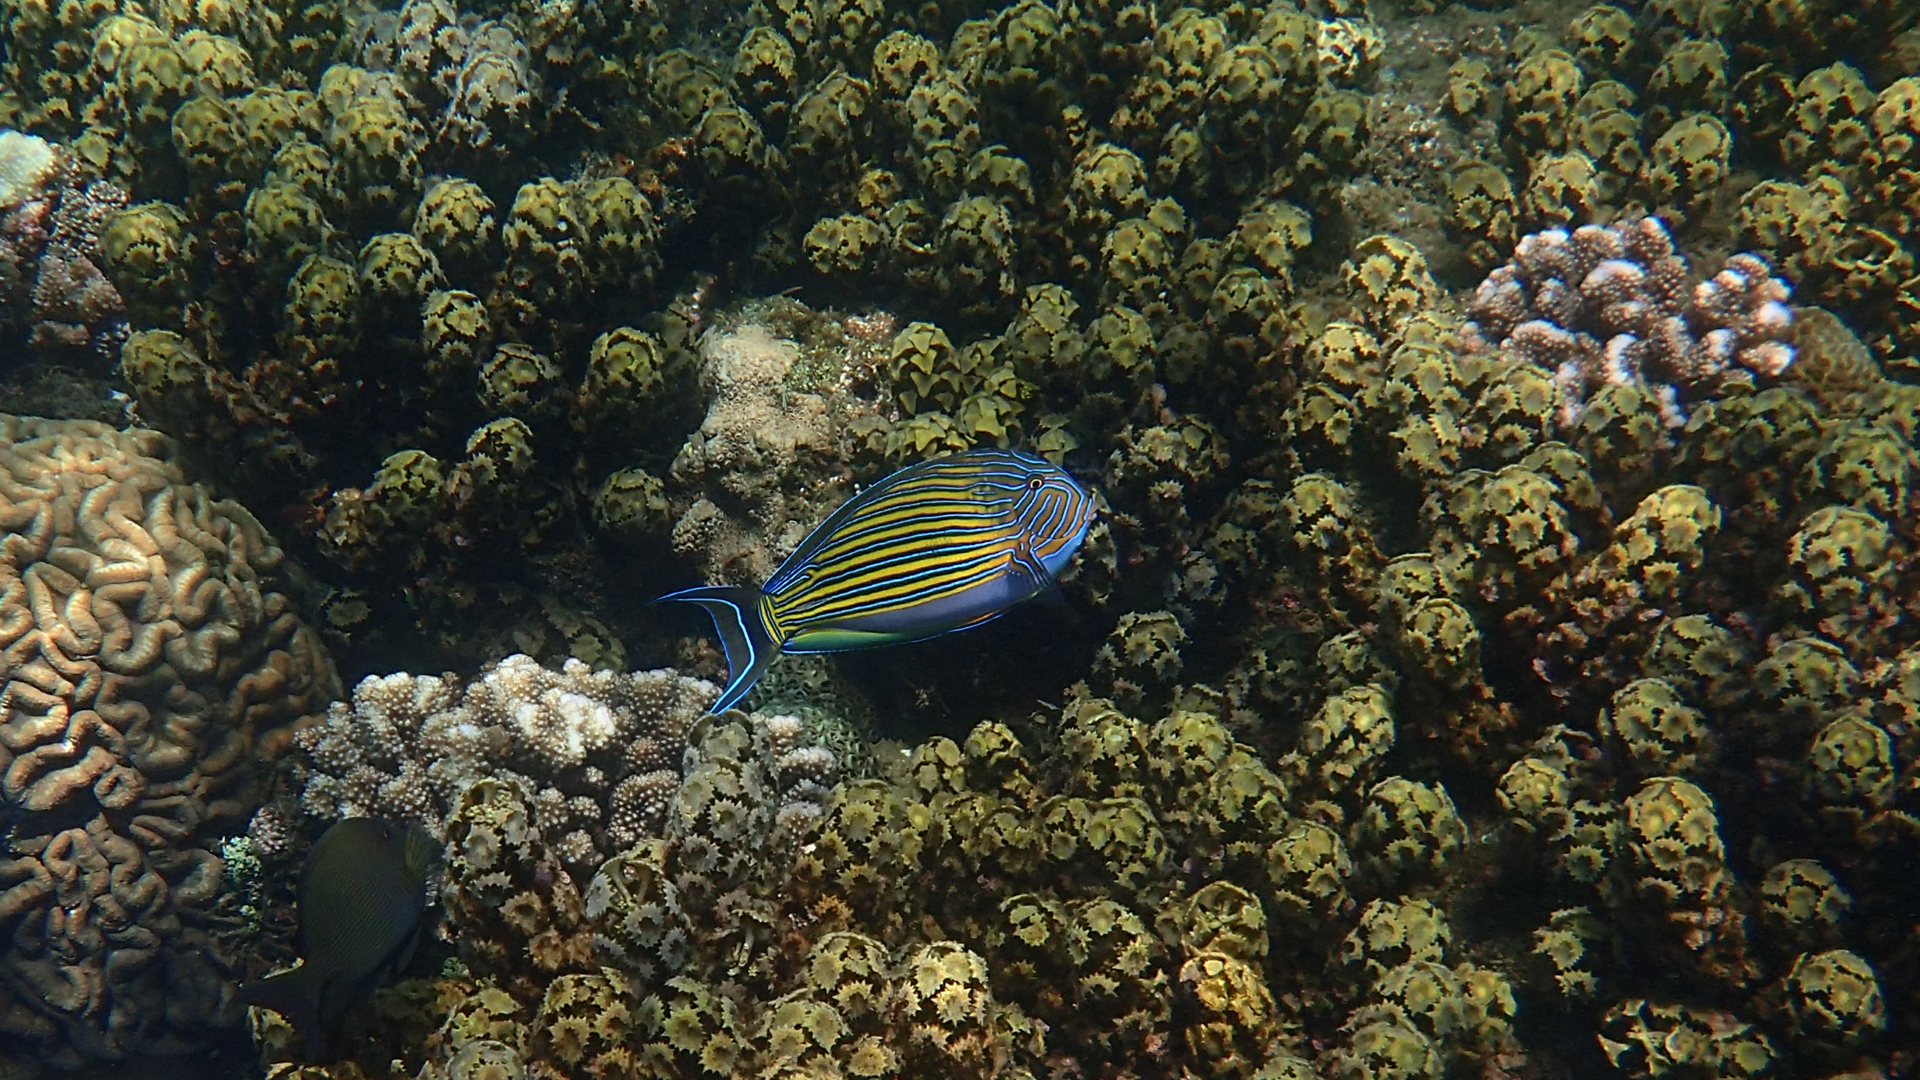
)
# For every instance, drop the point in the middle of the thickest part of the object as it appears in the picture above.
(1034, 482)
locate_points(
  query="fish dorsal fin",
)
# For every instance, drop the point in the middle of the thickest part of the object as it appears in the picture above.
(822, 533)
(750, 645)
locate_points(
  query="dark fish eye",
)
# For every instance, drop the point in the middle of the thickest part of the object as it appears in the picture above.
(1034, 482)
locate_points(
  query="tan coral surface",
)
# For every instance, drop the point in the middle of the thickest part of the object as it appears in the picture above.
(148, 664)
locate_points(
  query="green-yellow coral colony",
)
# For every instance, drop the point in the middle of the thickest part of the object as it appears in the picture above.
(1496, 649)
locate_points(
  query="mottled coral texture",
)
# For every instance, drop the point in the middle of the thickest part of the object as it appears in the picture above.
(1615, 305)
(150, 668)
(766, 456)
(599, 751)
(52, 291)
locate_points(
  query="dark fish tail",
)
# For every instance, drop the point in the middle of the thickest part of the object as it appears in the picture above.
(295, 995)
(747, 636)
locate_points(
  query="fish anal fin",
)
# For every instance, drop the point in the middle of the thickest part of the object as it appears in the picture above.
(749, 645)
(1053, 598)
(295, 995)
(831, 639)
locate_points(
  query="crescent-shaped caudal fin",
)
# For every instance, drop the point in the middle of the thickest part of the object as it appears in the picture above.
(750, 646)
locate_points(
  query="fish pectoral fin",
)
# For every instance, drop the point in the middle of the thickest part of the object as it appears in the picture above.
(750, 647)
(404, 954)
(1053, 598)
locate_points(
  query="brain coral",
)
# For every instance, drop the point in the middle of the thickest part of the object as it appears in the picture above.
(146, 661)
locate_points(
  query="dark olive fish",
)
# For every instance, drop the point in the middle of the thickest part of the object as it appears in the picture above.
(362, 902)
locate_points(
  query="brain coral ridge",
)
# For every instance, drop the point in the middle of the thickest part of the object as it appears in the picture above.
(150, 668)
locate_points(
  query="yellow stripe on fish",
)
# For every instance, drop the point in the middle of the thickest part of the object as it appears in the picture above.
(936, 547)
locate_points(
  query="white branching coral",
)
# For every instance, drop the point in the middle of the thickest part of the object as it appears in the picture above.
(26, 162)
(601, 750)
(1615, 305)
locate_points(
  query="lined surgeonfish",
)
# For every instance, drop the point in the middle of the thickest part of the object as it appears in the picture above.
(940, 546)
(362, 900)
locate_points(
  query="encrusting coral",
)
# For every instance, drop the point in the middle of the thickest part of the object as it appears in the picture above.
(766, 454)
(152, 673)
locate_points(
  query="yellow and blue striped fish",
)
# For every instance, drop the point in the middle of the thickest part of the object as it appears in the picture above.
(936, 547)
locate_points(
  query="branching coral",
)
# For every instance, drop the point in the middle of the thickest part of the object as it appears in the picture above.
(599, 751)
(1481, 624)
(1616, 306)
(51, 218)
(924, 924)
(477, 73)
(714, 883)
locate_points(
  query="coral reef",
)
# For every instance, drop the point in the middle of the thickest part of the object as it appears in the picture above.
(569, 177)
(1529, 695)
(53, 296)
(152, 673)
(756, 932)
(27, 162)
(748, 483)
